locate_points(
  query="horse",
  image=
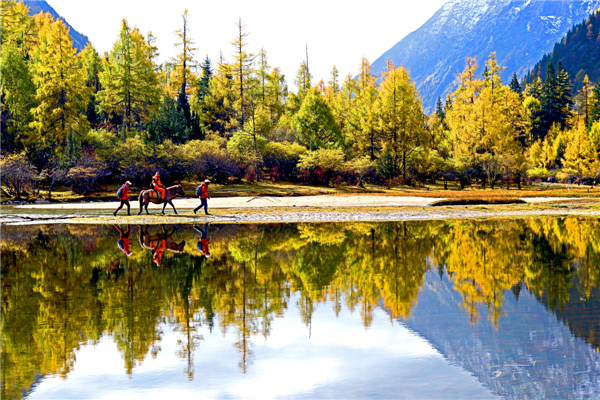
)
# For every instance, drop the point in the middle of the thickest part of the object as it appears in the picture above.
(151, 196)
(149, 241)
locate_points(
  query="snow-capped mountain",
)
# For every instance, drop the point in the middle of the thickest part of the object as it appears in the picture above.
(520, 32)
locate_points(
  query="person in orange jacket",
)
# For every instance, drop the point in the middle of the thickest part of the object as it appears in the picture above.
(158, 251)
(124, 242)
(125, 196)
(157, 185)
(202, 244)
(202, 191)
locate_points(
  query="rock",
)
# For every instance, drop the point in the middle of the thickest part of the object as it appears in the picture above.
(41, 200)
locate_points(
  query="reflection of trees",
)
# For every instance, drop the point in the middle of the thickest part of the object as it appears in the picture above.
(132, 311)
(73, 284)
(485, 260)
(185, 304)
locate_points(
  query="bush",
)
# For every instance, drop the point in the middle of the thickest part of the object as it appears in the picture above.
(386, 167)
(281, 159)
(17, 172)
(208, 158)
(361, 167)
(322, 164)
(87, 176)
(241, 148)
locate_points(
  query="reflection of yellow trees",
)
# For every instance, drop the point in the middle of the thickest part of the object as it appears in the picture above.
(485, 259)
(132, 313)
(73, 284)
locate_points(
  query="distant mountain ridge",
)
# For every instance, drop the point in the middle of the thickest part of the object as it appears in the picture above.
(578, 51)
(37, 6)
(520, 32)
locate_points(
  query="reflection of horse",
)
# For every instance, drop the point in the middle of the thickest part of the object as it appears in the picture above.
(152, 241)
(151, 196)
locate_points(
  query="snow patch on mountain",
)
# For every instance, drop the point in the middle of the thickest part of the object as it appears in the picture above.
(520, 32)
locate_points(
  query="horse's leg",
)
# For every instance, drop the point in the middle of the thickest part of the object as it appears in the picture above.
(141, 199)
(141, 235)
(173, 205)
(146, 206)
(164, 205)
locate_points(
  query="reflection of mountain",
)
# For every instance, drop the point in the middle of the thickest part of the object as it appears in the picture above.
(581, 316)
(524, 358)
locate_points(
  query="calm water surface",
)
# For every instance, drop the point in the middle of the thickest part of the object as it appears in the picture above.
(438, 309)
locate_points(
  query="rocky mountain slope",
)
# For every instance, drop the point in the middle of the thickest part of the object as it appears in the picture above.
(578, 51)
(520, 32)
(37, 6)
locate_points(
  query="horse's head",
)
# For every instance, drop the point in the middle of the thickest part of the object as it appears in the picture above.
(180, 191)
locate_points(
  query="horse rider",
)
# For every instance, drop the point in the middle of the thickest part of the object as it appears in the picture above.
(158, 186)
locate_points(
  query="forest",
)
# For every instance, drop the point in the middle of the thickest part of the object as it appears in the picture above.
(80, 286)
(84, 120)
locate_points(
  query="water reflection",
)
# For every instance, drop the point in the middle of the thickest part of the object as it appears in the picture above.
(69, 286)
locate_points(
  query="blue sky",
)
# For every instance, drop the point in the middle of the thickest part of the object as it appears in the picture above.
(336, 32)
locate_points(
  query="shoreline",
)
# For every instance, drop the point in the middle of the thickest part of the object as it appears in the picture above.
(310, 215)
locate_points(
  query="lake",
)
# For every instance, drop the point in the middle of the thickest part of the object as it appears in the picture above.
(455, 309)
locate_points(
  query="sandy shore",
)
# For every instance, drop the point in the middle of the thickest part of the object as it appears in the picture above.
(298, 209)
(264, 202)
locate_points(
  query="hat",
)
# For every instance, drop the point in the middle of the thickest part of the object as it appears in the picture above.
(128, 183)
(206, 181)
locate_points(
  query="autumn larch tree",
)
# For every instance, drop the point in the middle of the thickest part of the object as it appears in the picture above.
(61, 89)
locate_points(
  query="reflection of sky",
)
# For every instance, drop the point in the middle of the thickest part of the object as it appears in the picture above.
(340, 359)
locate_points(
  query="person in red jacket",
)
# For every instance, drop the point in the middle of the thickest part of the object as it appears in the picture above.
(204, 196)
(202, 244)
(157, 185)
(124, 242)
(158, 251)
(125, 196)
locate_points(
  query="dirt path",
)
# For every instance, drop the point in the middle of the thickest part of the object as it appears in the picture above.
(267, 202)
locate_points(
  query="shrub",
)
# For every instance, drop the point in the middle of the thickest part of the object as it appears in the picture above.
(361, 167)
(87, 175)
(281, 159)
(208, 158)
(386, 167)
(241, 148)
(322, 164)
(17, 172)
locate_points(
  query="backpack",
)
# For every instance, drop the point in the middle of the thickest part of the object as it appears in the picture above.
(120, 193)
(199, 190)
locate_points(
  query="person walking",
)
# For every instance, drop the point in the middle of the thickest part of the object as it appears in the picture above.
(124, 196)
(202, 244)
(124, 242)
(202, 191)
